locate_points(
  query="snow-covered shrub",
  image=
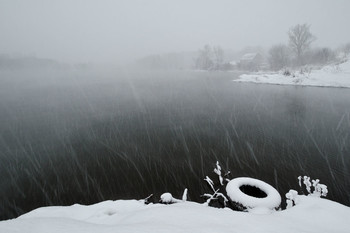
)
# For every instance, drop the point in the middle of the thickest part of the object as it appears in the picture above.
(305, 70)
(218, 196)
(313, 188)
(286, 72)
(215, 195)
(292, 198)
(319, 189)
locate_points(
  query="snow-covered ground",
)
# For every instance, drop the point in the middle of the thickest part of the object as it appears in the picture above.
(311, 214)
(328, 76)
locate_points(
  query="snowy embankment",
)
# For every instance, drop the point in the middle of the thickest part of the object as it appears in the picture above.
(311, 214)
(328, 76)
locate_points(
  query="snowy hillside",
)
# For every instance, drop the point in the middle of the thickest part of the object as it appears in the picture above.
(312, 214)
(328, 76)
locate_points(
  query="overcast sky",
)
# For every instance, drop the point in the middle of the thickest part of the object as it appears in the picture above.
(120, 30)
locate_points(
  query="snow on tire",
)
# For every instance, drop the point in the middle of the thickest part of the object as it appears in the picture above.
(251, 193)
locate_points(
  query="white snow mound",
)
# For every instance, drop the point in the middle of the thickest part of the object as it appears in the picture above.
(166, 198)
(310, 215)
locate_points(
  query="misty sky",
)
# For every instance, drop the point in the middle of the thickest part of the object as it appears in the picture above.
(121, 30)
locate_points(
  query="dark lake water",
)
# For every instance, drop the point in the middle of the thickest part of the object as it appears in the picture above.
(87, 137)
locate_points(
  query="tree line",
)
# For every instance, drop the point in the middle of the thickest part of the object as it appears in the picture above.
(298, 52)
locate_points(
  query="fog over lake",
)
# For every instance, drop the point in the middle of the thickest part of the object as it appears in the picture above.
(120, 31)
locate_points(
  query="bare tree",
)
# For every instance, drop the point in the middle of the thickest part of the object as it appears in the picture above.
(346, 49)
(300, 39)
(218, 56)
(204, 60)
(279, 57)
(322, 56)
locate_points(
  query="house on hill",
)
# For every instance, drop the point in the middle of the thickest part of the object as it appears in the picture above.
(251, 61)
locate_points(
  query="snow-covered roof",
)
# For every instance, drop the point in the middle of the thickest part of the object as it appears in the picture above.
(248, 56)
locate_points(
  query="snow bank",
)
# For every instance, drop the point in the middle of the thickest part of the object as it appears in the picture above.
(328, 76)
(310, 215)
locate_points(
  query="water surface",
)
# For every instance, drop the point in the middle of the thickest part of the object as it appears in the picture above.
(87, 137)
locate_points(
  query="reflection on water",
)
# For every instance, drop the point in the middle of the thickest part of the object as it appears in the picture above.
(92, 139)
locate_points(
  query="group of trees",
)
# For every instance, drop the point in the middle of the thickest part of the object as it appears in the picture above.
(300, 39)
(299, 52)
(210, 58)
